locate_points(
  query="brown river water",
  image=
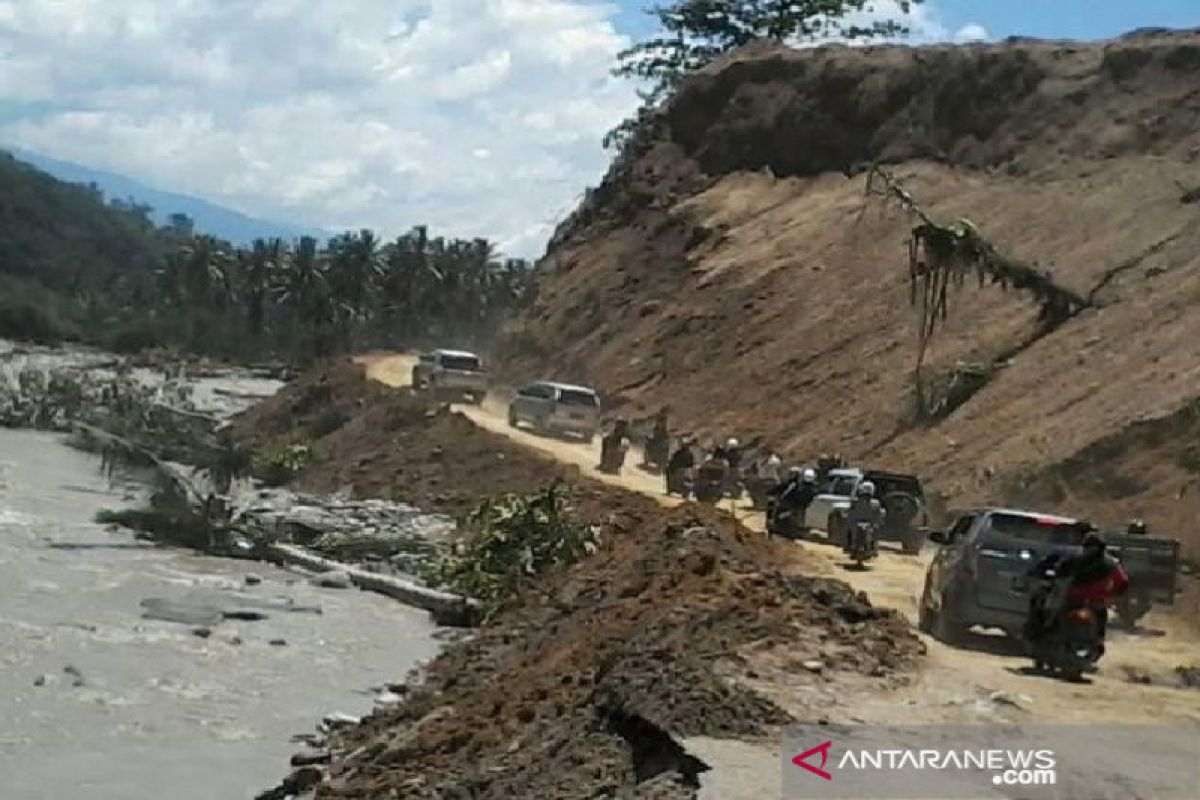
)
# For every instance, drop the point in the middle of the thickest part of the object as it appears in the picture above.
(100, 702)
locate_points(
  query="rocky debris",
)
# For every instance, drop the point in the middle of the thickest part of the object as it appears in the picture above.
(337, 720)
(1188, 676)
(387, 533)
(202, 633)
(309, 757)
(278, 643)
(253, 579)
(41, 680)
(584, 687)
(333, 580)
(75, 675)
(1020, 702)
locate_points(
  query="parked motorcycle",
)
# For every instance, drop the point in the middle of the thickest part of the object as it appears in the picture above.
(1065, 639)
(679, 482)
(862, 544)
(784, 519)
(612, 454)
(655, 454)
(759, 489)
(710, 482)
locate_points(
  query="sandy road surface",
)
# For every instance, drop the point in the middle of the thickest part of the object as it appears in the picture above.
(984, 683)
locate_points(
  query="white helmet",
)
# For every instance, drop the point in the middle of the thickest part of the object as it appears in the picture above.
(774, 460)
(810, 475)
(731, 443)
(867, 489)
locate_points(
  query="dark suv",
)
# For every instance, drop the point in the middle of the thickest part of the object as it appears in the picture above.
(979, 575)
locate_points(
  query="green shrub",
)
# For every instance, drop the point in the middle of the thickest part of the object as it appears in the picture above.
(280, 465)
(509, 541)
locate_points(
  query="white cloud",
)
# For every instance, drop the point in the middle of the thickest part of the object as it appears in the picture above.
(973, 32)
(924, 22)
(478, 117)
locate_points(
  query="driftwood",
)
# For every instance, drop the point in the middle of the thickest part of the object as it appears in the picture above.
(446, 608)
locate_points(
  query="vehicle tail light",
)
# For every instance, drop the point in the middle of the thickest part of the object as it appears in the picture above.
(1081, 615)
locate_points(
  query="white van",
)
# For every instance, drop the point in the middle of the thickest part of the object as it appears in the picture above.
(557, 408)
(451, 371)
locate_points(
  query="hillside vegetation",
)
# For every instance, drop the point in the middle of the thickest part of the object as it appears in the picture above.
(73, 266)
(732, 266)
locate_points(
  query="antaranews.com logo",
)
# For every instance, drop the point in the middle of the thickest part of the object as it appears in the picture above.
(968, 762)
(1008, 767)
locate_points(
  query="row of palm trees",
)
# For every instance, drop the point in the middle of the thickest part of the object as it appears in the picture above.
(304, 298)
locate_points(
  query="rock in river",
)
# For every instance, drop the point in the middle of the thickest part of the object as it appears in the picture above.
(333, 580)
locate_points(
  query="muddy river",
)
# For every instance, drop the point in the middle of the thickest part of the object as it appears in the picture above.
(101, 701)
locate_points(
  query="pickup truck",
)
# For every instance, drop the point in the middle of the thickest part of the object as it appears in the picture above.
(901, 495)
(454, 372)
(979, 575)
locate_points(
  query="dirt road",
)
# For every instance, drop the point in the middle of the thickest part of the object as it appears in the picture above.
(984, 683)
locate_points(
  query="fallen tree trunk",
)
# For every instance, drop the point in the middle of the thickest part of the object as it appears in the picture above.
(446, 608)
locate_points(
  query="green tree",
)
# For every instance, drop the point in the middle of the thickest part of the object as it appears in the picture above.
(694, 32)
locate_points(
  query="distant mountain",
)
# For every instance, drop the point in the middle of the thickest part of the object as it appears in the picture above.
(210, 218)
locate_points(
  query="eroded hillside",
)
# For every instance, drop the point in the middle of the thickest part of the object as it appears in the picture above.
(732, 267)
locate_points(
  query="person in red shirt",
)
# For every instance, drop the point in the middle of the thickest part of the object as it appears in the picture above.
(1096, 578)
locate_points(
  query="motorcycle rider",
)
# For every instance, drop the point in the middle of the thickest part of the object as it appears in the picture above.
(659, 442)
(682, 460)
(614, 446)
(865, 509)
(770, 469)
(795, 494)
(1094, 577)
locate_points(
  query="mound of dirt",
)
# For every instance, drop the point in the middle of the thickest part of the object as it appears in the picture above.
(395, 444)
(582, 690)
(731, 266)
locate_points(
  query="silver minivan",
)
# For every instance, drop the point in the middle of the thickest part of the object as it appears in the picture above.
(556, 408)
(454, 372)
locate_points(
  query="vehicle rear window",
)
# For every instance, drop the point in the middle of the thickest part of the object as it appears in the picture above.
(573, 397)
(462, 363)
(1036, 529)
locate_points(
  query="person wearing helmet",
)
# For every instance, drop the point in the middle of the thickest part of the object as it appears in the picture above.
(789, 502)
(733, 453)
(865, 509)
(771, 467)
(1094, 578)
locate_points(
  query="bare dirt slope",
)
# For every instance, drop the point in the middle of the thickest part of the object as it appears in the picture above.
(986, 682)
(731, 268)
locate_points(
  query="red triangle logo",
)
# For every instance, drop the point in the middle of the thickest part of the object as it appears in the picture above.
(802, 760)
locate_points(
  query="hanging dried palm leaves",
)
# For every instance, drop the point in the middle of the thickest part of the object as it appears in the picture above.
(942, 256)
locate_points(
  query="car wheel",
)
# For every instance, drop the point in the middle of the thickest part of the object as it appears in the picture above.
(925, 614)
(512, 418)
(946, 627)
(911, 542)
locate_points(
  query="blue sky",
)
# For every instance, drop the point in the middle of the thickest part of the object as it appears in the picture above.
(476, 117)
(1070, 19)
